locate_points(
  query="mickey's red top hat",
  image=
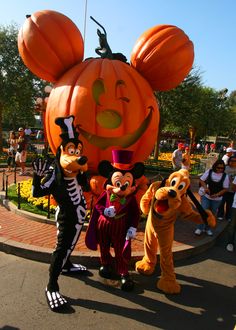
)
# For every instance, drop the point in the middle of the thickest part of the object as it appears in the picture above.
(122, 159)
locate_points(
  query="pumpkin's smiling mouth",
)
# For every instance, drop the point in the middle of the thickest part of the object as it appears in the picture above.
(122, 141)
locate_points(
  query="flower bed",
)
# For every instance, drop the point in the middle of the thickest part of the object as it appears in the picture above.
(39, 202)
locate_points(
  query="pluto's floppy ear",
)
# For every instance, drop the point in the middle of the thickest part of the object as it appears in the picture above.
(199, 207)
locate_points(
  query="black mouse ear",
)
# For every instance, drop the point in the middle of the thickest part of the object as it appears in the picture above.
(138, 170)
(105, 168)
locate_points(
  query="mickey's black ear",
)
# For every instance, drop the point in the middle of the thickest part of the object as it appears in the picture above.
(105, 168)
(138, 170)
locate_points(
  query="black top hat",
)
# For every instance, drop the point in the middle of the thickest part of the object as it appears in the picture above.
(68, 131)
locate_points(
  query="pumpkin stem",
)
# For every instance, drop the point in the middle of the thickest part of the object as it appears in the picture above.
(104, 50)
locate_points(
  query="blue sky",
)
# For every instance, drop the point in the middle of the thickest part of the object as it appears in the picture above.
(209, 24)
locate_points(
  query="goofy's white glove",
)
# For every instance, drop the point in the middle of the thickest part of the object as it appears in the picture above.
(110, 212)
(41, 166)
(131, 233)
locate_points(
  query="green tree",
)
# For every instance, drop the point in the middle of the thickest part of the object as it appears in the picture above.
(195, 109)
(231, 128)
(19, 87)
(180, 107)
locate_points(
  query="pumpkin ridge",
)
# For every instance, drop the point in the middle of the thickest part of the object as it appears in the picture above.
(165, 48)
(44, 62)
(147, 70)
(43, 35)
(116, 68)
(34, 66)
(68, 40)
(149, 34)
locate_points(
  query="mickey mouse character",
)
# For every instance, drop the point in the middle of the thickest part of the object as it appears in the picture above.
(64, 183)
(116, 215)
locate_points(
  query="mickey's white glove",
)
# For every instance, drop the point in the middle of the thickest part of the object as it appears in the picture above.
(110, 211)
(131, 233)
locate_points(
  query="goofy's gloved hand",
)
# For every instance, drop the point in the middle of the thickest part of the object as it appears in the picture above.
(41, 166)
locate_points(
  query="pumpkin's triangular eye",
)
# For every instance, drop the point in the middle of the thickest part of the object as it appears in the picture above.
(98, 89)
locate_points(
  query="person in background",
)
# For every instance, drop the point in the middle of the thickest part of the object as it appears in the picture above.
(198, 147)
(206, 148)
(28, 131)
(21, 152)
(229, 153)
(213, 147)
(177, 157)
(227, 200)
(186, 159)
(12, 147)
(232, 225)
(213, 184)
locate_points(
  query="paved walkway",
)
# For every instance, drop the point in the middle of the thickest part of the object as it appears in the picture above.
(30, 236)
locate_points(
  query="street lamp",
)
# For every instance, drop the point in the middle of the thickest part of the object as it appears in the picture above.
(40, 106)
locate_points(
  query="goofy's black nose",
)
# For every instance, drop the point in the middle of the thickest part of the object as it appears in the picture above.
(122, 188)
(82, 160)
(172, 193)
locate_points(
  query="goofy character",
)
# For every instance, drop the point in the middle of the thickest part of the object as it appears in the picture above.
(64, 182)
(116, 215)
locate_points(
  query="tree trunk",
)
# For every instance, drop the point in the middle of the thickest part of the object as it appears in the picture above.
(192, 134)
(1, 108)
(156, 147)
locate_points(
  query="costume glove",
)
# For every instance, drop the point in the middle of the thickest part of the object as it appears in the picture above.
(131, 233)
(110, 211)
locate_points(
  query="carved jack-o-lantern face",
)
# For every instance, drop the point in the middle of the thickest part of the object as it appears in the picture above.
(113, 107)
(112, 102)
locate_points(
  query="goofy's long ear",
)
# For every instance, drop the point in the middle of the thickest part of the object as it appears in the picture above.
(199, 207)
(58, 169)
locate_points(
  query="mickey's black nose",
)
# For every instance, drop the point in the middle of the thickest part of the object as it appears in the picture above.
(172, 193)
(82, 160)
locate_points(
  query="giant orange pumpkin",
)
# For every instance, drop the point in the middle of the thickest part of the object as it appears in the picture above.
(113, 105)
(164, 56)
(49, 44)
(113, 102)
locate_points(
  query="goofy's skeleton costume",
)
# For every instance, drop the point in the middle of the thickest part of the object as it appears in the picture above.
(64, 182)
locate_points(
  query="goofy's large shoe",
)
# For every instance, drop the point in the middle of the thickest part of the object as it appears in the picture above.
(70, 268)
(55, 300)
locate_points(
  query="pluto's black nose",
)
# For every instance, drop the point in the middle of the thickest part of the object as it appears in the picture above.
(172, 193)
